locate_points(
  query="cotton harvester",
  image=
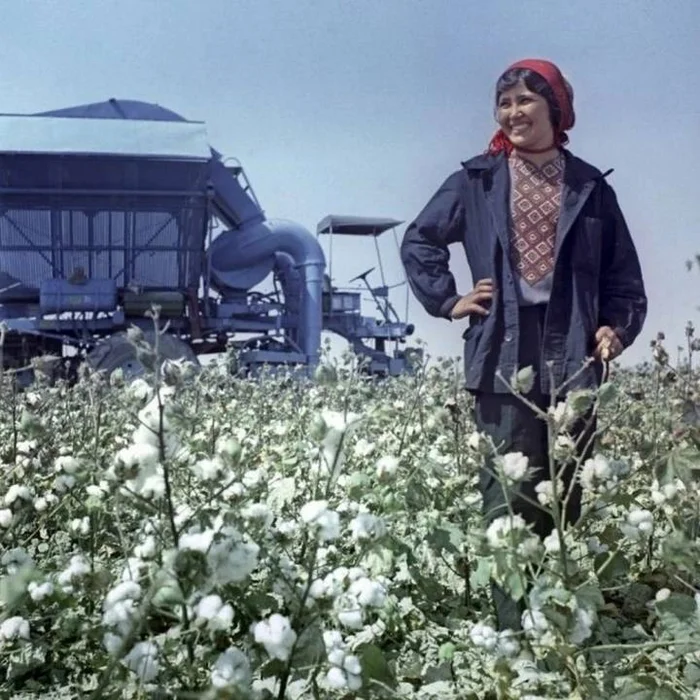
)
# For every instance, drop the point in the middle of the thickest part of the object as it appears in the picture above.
(111, 208)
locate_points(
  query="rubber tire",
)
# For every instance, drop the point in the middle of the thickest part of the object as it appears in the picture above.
(117, 352)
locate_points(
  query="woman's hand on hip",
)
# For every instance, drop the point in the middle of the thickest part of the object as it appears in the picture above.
(473, 303)
(608, 345)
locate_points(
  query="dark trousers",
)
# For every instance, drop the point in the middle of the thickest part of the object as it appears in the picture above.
(514, 427)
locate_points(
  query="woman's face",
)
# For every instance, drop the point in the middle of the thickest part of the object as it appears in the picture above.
(524, 118)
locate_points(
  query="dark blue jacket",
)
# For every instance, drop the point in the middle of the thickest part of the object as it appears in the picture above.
(597, 276)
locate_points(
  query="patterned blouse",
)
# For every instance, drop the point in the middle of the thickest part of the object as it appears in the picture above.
(535, 204)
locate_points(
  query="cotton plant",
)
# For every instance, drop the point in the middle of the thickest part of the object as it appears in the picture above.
(242, 538)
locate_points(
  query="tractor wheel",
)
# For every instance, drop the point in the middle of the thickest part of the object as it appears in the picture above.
(117, 352)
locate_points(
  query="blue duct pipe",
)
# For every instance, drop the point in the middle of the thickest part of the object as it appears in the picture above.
(267, 240)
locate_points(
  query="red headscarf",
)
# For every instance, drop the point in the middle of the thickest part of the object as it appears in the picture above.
(555, 80)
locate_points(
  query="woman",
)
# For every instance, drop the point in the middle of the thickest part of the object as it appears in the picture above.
(557, 276)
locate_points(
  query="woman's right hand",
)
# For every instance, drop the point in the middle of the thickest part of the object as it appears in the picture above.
(473, 303)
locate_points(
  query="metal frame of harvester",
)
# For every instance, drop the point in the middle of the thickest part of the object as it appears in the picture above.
(110, 208)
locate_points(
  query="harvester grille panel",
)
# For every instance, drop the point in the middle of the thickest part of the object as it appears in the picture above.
(139, 224)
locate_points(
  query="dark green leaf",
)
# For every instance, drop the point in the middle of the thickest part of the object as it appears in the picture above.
(514, 585)
(590, 597)
(375, 666)
(646, 688)
(611, 566)
(681, 463)
(677, 604)
(692, 674)
(447, 537)
(580, 401)
(310, 649)
(607, 393)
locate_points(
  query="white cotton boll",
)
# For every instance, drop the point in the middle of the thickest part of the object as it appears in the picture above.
(336, 656)
(16, 492)
(329, 526)
(354, 681)
(139, 389)
(597, 474)
(95, 491)
(143, 661)
(366, 526)
(80, 525)
(208, 607)
(474, 441)
(312, 510)
(127, 590)
(64, 483)
(352, 665)
(552, 544)
(67, 464)
(545, 492)
(336, 678)
(641, 520)
(529, 548)
(120, 616)
(235, 490)
(484, 636)
(335, 581)
(39, 591)
(40, 504)
(317, 589)
(223, 618)
(5, 517)
(258, 512)
(286, 527)
(663, 594)
(508, 645)
(253, 477)
(17, 557)
(183, 514)
(212, 612)
(387, 466)
(515, 466)
(112, 642)
(355, 572)
(534, 623)
(333, 639)
(594, 546)
(147, 549)
(349, 612)
(363, 448)
(564, 447)
(562, 414)
(77, 568)
(133, 569)
(498, 532)
(230, 559)
(276, 635)
(196, 541)
(583, 626)
(326, 522)
(232, 669)
(368, 593)
(209, 469)
(14, 628)
(335, 420)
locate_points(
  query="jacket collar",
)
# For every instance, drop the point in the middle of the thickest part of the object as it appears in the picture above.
(577, 171)
(579, 180)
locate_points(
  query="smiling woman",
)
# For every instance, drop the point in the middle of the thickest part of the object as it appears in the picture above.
(558, 291)
(531, 116)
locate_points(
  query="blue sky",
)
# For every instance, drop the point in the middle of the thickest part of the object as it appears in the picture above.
(364, 107)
